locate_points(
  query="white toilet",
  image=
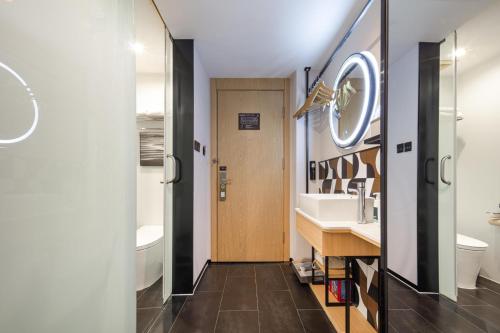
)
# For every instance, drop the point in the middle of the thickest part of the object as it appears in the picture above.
(149, 255)
(469, 254)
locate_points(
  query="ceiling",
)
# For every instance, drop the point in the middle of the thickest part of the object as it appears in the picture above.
(478, 37)
(259, 38)
(411, 22)
(273, 38)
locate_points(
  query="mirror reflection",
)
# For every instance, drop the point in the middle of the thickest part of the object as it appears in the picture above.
(349, 102)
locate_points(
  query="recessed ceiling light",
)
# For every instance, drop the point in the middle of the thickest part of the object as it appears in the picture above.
(137, 47)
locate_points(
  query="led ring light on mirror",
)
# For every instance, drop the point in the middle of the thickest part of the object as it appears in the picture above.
(368, 65)
(33, 103)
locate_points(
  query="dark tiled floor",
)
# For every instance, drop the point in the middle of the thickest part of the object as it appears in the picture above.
(152, 315)
(237, 298)
(476, 310)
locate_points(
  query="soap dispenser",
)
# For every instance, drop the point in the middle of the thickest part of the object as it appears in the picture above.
(494, 216)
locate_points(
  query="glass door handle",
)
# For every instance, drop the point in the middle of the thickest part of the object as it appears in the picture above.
(442, 171)
(176, 176)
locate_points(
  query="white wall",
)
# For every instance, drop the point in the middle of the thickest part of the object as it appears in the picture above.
(150, 92)
(478, 164)
(67, 193)
(402, 168)
(150, 98)
(201, 203)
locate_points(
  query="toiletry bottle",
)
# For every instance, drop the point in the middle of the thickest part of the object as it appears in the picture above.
(376, 207)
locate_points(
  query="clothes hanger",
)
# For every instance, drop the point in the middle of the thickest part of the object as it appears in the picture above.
(319, 98)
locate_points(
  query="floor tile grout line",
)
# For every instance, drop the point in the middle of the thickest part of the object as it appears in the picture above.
(178, 314)
(470, 291)
(444, 308)
(221, 298)
(394, 328)
(149, 327)
(238, 310)
(291, 296)
(155, 319)
(464, 318)
(484, 321)
(491, 290)
(153, 322)
(150, 307)
(142, 294)
(146, 291)
(257, 296)
(477, 299)
(428, 322)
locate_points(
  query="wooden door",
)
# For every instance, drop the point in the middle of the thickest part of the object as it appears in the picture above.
(250, 220)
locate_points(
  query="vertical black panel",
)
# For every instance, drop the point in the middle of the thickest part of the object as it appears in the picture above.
(428, 149)
(383, 305)
(307, 70)
(183, 120)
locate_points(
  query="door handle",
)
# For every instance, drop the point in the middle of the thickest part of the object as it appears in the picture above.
(442, 171)
(427, 180)
(223, 182)
(176, 176)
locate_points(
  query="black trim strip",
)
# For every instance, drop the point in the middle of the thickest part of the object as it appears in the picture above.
(183, 134)
(307, 70)
(342, 42)
(384, 117)
(427, 174)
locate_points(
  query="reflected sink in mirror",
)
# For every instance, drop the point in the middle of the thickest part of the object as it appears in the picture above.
(334, 207)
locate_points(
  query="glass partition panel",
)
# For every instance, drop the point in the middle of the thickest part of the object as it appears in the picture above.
(447, 166)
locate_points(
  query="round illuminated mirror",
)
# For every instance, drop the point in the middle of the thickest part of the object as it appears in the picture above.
(356, 95)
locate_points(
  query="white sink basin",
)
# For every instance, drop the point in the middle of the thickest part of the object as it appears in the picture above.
(334, 207)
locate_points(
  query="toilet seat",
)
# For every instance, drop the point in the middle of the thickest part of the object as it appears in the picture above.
(148, 236)
(470, 244)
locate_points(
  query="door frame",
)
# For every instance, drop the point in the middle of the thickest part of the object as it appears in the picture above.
(261, 84)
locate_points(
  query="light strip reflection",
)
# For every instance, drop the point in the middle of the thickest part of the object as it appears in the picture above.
(33, 102)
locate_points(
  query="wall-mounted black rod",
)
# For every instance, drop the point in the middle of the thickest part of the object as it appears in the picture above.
(342, 42)
(307, 70)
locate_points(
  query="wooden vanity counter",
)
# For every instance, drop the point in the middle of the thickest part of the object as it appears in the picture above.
(340, 239)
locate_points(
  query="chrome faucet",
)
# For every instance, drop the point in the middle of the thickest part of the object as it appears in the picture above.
(361, 192)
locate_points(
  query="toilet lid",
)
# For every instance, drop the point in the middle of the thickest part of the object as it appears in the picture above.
(469, 243)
